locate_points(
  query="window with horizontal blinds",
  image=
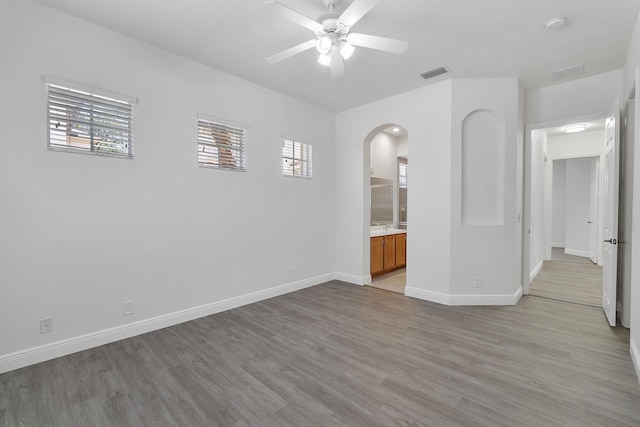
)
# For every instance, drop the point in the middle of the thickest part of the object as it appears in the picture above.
(220, 145)
(88, 123)
(297, 159)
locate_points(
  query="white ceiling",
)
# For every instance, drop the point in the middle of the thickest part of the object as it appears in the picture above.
(488, 38)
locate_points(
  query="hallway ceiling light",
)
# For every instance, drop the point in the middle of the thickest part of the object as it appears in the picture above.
(396, 129)
(579, 127)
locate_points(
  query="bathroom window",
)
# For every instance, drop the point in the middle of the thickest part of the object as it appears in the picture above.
(83, 121)
(221, 145)
(297, 158)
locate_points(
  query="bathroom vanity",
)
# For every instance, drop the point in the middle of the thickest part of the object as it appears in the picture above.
(388, 250)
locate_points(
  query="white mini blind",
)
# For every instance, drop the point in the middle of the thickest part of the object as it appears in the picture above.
(88, 123)
(220, 145)
(297, 158)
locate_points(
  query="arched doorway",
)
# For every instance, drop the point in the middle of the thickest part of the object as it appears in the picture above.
(387, 158)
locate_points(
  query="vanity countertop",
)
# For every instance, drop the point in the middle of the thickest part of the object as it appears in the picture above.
(375, 231)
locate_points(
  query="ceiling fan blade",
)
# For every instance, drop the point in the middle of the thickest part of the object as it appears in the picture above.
(357, 10)
(337, 64)
(294, 15)
(378, 43)
(292, 51)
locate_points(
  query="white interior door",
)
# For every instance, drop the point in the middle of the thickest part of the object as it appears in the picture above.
(610, 219)
(593, 212)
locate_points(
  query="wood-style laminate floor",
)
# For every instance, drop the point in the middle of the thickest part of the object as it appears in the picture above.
(569, 278)
(339, 354)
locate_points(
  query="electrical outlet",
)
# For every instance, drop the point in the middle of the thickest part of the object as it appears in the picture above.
(128, 307)
(46, 325)
(478, 282)
(292, 272)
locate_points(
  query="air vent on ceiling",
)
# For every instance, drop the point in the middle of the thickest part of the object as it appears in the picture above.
(434, 73)
(565, 73)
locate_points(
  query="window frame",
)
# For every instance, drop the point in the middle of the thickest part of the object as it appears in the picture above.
(236, 134)
(115, 111)
(306, 147)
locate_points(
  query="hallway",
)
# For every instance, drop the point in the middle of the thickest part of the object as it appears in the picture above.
(569, 278)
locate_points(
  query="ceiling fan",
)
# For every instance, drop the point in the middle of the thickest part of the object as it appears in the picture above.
(334, 41)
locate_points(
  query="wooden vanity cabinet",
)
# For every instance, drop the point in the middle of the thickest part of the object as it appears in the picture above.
(377, 255)
(388, 253)
(401, 250)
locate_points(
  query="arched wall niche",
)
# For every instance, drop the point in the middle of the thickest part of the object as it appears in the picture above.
(483, 168)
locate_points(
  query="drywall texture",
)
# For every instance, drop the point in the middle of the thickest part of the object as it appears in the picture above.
(384, 157)
(486, 252)
(82, 234)
(572, 145)
(576, 98)
(425, 114)
(578, 196)
(482, 168)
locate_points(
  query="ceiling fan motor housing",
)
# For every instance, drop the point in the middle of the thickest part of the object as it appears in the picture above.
(334, 40)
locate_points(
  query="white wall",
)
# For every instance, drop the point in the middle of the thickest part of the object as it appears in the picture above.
(578, 196)
(576, 98)
(572, 145)
(631, 78)
(425, 114)
(403, 145)
(559, 203)
(486, 251)
(81, 234)
(384, 156)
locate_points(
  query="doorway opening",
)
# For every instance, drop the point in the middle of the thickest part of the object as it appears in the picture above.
(567, 211)
(388, 189)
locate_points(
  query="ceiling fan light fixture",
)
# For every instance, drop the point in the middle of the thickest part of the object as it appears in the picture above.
(324, 59)
(324, 45)
(346, 49)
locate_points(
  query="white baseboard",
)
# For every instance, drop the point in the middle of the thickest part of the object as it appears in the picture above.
(557, 245)
(20, 359)
(486, 299)
(635, 356)
(574, 252)
(352, 278)
(464, 299)
(427, 295)
(535, 271)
